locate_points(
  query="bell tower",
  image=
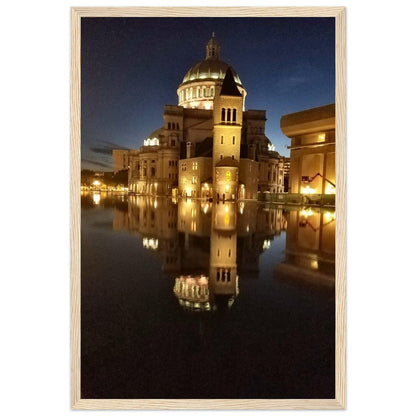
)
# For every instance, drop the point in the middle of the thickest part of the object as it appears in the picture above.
(227, 120)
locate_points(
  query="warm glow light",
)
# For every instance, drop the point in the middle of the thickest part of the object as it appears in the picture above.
(96, 183)
(151, 142)
(155, 204)
(150, 243)
(271, 147)
(226, 219)
(329, 189)
(241, 207)
(266, 244)
(227, 188)
(226, 208)
(321, 137)
(206, 208)
(307, 190)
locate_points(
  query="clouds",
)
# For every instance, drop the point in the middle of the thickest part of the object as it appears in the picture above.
(93, 164)
(105, 148)
(98, 155)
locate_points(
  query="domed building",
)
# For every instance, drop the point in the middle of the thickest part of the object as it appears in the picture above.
(197, 89)
(208, 138)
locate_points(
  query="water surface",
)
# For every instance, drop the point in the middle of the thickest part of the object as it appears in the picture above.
(258, 324)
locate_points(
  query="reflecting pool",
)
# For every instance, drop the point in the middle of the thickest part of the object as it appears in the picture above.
(193, 299)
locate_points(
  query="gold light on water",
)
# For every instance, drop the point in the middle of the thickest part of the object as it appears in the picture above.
(306, 212)
(329, 216)
(96, 198)
(314, 264)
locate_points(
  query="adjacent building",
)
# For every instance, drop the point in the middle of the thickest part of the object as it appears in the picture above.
(121, 159)
(312, 150)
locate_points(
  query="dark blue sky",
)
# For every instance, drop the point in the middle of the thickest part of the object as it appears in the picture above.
(131, 68)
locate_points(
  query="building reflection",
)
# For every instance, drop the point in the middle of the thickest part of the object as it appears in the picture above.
(204, 246)
(207, 246)
(310, 249)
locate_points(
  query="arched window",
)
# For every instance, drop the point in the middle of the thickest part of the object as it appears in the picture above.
(198, 91)
(228, 115)
(204, 91)
(211, 91)
(234, 115)
(233, 139)
(223, 114)
(222, 139)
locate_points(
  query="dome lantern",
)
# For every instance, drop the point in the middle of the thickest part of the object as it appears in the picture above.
(213, 48)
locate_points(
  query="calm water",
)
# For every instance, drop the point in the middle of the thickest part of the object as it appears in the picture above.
(189, 299)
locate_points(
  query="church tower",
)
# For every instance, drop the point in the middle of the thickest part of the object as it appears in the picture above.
(227, 120)
(223, 278)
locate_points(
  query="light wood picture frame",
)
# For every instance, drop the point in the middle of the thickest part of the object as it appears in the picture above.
(339, 402)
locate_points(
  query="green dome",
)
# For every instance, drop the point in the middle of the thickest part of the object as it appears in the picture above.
(210, 70)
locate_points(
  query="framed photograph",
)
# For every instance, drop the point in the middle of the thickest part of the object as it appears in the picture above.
(208, 208)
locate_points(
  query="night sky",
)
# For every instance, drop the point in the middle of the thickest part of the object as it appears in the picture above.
(131, 68)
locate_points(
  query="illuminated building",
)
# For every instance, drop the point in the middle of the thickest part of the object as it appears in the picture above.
(209, 128)
(312, 150)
